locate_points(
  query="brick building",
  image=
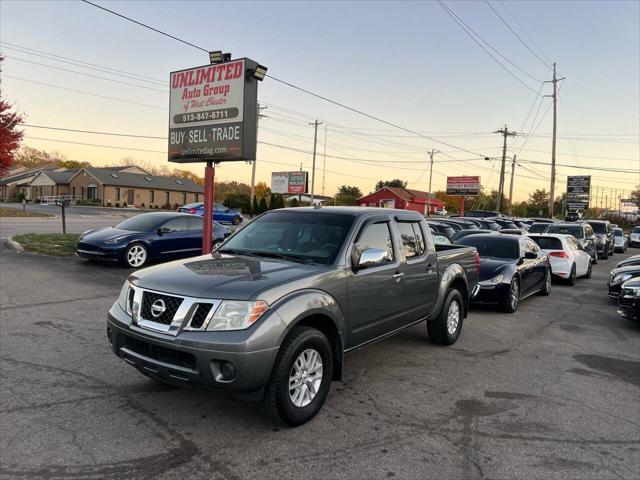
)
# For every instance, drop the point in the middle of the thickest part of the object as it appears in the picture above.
(402, 198)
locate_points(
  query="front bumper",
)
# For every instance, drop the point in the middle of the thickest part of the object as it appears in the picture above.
(491, 294)
(93, 252)
(196, 359)
(629, 307)
(614, 290)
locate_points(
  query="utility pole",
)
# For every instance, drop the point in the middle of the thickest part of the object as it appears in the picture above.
(505, 133)
(513, 170)
(552, 188)
(324, 159)
(313, 168)
(253, 166)
(431, 154)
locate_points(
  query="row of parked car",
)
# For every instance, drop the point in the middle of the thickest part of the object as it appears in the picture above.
(572, 248)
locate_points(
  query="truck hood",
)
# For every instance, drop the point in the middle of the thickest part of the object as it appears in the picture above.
(222, 276)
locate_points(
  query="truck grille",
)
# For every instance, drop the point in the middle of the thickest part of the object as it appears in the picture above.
(159, 308)
(156, 352)
(200, 315)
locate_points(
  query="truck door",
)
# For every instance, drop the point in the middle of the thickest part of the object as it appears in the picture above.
(375, 291)
(420, 269)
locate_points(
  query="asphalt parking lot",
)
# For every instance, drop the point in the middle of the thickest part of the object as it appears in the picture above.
(552, 391)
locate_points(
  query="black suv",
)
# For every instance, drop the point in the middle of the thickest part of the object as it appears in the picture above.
(604, 233)
(583, 232)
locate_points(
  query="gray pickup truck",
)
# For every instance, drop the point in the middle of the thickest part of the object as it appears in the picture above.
(271, 313)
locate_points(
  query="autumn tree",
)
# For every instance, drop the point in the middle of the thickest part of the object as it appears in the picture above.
(262, 190)
(10, 136)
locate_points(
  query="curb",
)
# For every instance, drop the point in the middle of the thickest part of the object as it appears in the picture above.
(11, 243)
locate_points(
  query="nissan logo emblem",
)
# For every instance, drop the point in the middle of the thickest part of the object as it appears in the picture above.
(158, 308)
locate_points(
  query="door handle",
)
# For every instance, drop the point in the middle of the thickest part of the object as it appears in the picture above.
(398, 276)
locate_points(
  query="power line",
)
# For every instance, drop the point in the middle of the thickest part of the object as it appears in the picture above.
(145, 26)
(85, 93)
(96, 145)
(86, 74)
(478, 41)
(504, 5)
(291, 85)
(516, 34)
(92, 132)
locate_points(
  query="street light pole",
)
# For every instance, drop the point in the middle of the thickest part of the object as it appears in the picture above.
(431, 154)
(313, 168)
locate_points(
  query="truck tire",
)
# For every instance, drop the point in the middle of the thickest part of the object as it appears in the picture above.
(446, 329)
(300, 379)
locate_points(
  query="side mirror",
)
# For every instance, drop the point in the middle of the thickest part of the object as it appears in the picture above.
(159, 231)
(530, 255)
(372, 257)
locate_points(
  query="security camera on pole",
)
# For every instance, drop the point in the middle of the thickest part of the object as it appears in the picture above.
(212, 119)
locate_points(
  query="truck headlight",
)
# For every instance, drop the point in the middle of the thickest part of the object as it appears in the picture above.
(237, 315)
(123, 298)
(493, 281)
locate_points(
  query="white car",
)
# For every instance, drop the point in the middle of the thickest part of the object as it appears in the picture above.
(441, 211)
(634, 240)
(620, 240)
(567, 257)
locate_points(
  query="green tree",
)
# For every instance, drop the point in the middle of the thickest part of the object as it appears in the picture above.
(237, 201)
(347, 195)
(263, 205)
(256, 208)
(538, 202)
(295, 202)
(635, 196)
(396, 182)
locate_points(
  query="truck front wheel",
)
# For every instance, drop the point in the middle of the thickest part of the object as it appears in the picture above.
(300, 379)
(446, 328)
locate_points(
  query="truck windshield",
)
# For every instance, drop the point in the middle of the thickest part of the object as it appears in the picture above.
(493, 245)
(305, 236)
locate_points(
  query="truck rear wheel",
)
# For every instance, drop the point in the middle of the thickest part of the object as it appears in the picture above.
(300, 379)
(446, 329)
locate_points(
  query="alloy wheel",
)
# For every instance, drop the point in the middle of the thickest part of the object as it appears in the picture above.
(305, 377)
(453, 317)
(136, 256)
(514, 295)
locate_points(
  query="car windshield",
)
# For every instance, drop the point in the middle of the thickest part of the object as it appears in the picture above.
(575, 230)
(538, 228)
(493, 245)
(618, 232)
(303, 236)
(141, 223)
(548, 243)
(598, 227)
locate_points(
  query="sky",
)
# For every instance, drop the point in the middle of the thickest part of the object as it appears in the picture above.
(407, 63)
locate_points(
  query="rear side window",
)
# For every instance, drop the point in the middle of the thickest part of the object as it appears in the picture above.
(195, 223)
(376, 235)
(548, 243)
(176, 225)
(412, 239)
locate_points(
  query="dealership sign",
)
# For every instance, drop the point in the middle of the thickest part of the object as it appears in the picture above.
(463, 186)
(578, 191)
(212, 113)
(289, 182)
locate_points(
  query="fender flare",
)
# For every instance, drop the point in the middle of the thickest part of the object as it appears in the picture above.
(452, 273)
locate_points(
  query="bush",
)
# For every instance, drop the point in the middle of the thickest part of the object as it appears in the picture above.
(263, 205)
(237, 201)
(295, 202)
(176, 206)
(124, 204)
(117, 204)
(108, 204)
(142, 205)
(37, 200)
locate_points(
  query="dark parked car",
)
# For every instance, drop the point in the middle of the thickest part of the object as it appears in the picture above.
(460, 224)
(221, 213)
(270, 314)
(511, 269)
(604, 235)
(629, 301)
(505, 223)
(483, 223)
(618, 276)
(442, 228)
(538, 227)
(148, 236)
(582, 231)
(511, 231)
(481, 213)
(627, 262)
(573, 217)
(544, 220)
(465, 233)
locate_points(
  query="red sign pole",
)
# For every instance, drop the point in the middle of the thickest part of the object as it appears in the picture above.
(207, 224)
(462, 206)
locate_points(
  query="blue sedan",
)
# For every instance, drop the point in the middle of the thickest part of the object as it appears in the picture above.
(149, 236)
(221, 213)
(511, 269)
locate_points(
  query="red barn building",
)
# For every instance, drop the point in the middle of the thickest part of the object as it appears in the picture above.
(402, 198)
